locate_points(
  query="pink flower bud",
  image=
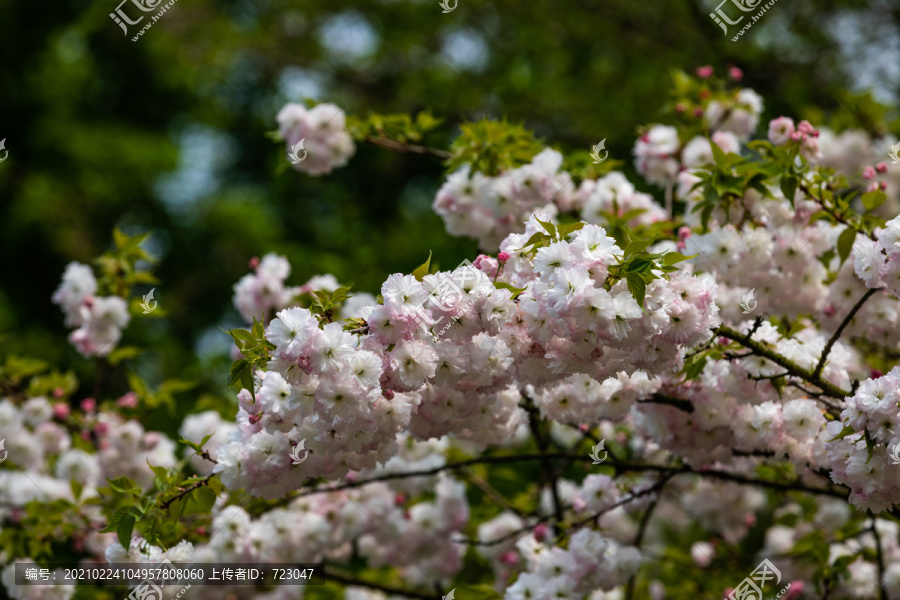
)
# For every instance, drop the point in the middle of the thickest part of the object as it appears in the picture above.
(750, 519)
(795, 589)
(86, 435)
(254, 419)
(698, 112)
(504, 256)
(389, 394)
(399, 499)
(684, 233)
(583, 428)
(882, 185)
(735, 73)
(541, 532)
(829, 311)
(201, 530)
(59, 392)
(101, 429)
(151, 439)
(129, 400)
(88, 405)
(579, 504)
(875, 374)
(872, 187)
(869, 173)
(881, 167)
(797, 136)
(704, 72)
(679, 108)
(806, 127)
(509, 558)
(61, 411)
(253, 262)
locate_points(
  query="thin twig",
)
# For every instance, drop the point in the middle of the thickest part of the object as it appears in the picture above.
(840, 330)
(882, 593)
(401, 147)
(793, 368)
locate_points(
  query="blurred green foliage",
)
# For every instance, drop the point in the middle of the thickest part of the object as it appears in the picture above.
(167, 134)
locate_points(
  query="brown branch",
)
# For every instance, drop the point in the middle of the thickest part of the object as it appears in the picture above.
(679, 403)
(840, 330)
(833, 212)
(185, 491)
(793, 368)
(882, 593)
(489, 491)
(486, 460)
(403, 148)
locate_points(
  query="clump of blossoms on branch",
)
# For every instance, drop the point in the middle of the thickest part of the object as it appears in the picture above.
(600, 399)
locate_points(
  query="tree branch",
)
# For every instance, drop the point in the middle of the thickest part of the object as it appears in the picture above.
(793, 368)
(394, 145)
(840, 330)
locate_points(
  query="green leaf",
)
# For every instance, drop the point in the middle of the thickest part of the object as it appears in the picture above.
(872, 200)
(480, 591)
(77, 488)
(719, 156)
(123, 353)
(237, 369)
(636, 246)
(124, 485)
(124, 530)
(500, 285)
(847, 430)
(549, 227)
(637, 287)
(789, 188)
(534, 239)
(423, 269)
(173, 386)
(672, 258)
(845, 243)
(118, 515)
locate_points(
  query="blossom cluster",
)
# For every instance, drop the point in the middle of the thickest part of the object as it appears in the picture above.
(99, 320)
(872, 416)
(322, 129)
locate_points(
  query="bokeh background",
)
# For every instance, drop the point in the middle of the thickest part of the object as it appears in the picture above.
(169, 133)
